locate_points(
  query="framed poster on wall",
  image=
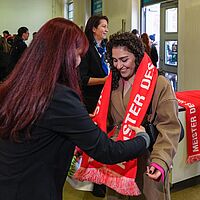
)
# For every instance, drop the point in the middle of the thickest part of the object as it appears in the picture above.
(96, 7)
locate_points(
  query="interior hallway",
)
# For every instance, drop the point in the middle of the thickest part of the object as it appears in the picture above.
(189, 193)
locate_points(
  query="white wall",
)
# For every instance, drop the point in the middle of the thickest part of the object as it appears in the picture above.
(29, 13)
(189, 44)
(116, 10)
(82, 11)
(135, 14)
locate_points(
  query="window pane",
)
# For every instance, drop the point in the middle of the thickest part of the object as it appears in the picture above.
(173, 79)
(71, 7)
(70, 11)
(70, 15)
(171, 53)
(97, 7)
(171, 20)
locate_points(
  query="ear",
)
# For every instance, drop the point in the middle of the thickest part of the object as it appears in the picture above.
(23, 35)
(94, 29)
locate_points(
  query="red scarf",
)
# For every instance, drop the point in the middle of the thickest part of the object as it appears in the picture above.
(121, 177)
(190, 100)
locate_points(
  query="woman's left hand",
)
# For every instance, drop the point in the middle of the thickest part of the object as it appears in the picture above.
(153, 173)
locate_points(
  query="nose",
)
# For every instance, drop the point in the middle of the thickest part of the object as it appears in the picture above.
(118, 65)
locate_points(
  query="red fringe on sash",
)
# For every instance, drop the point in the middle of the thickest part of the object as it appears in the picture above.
(190, 100)
(121, 184)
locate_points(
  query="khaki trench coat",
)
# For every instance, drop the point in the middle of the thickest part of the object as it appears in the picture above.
(165, 111)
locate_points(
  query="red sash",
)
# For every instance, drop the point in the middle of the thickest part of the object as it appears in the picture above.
(190, 100)
(121, 177)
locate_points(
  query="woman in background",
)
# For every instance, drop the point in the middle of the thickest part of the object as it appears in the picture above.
(94, 70)
(93, 67)
(150, 48)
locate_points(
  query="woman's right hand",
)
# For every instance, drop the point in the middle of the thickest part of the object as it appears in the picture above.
(140, 131)
(137, 129)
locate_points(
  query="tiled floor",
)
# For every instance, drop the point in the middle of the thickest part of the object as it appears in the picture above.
(190, 193)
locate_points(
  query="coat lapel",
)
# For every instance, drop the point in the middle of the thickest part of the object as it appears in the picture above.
(127, 97)
(96, 55)
(117, 100)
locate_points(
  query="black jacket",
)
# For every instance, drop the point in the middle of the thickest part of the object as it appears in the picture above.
(16, 51)
(91, 67)
(154, 55)
(36, 169)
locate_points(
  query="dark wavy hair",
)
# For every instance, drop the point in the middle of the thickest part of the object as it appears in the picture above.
(132, 43)
(50, 59)
(93, 22)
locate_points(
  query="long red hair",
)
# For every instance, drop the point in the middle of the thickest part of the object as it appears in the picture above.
(145, 40)
(50, 59)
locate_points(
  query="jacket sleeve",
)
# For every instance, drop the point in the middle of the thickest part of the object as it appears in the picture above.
(154, 53)
(167, 124)
(84, 69)
(67, 117)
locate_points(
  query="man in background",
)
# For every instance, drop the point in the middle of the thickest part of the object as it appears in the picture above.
(135, 32)
(18, 46)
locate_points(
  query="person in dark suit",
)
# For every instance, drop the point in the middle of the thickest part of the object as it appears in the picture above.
(94, 70)
(18, 47)
(42, 118)
(93, 67)
(4, 57)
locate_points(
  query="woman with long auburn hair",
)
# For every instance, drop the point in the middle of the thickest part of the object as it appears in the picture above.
(150, 49)
(42, 118)
(145, 40)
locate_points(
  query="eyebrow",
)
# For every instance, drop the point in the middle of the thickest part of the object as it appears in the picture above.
(120, 57)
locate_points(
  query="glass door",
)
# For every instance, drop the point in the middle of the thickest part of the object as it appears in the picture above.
(169, 40)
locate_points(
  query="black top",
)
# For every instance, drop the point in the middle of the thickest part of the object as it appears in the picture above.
(16, 51)
(91, 67)
(154, 55)
(37, 169)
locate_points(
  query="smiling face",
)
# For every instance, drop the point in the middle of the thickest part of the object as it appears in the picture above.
(101, 30)
(124, 61)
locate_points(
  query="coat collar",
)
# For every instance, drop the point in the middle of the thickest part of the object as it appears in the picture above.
(119, 102)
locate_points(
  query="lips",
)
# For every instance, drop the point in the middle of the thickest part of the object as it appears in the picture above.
(123, 70)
